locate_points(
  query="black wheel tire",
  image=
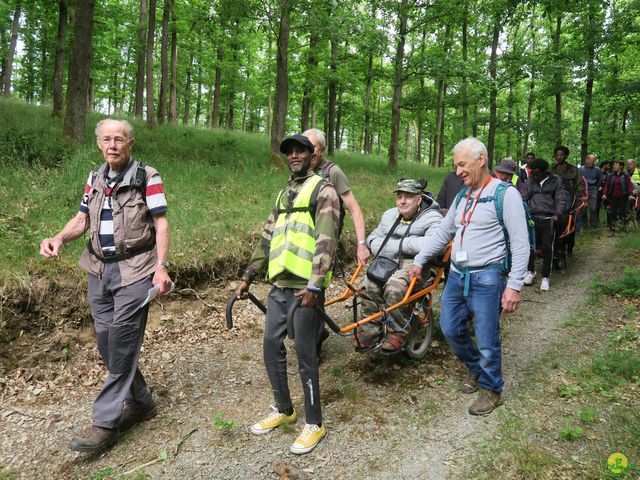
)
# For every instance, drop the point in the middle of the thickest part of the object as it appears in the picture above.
(420, 339)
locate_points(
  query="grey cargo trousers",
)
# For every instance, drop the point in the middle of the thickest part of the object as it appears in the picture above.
(306, 325)
(119, 326)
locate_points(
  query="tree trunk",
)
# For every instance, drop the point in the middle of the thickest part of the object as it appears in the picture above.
(465, 60)
(79, 71)
(493, 92)
(531, 99)
(187, 91)
(510, 127)
(368, 135)
(397, 85)
(217, 89)
(588, 94)
(282, 84)
(312, 66)
(43, 63)
(196, 118)
(58, 69)
(149, 64)
(164, 66)
(231, 88)
(173, 85)
(8, 66)
(333, 83)
(557, 83)
(142, 24)
(339, 122)
(420, 114)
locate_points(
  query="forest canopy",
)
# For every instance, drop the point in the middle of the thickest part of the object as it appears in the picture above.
(402, 78)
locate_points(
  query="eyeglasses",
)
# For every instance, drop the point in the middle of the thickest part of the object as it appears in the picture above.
(119, 141)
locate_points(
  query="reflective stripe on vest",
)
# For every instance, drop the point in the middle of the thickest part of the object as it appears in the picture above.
(293, 241)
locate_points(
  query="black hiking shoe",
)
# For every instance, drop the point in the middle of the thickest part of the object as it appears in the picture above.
(94, 439)
(485, 402)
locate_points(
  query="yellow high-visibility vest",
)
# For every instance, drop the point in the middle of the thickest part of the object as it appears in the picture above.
(514, 180)
(293, 242)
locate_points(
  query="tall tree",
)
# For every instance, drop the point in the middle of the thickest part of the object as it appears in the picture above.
(591, 32)
(493, 92)
(403, 14)
(151, 30)
(58, 69)
(164, 65)
(79, 71)
(173, 83)
(140, 60)
(8, 66)
(282, 82)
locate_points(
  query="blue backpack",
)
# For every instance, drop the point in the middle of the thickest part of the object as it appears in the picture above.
(498, 200)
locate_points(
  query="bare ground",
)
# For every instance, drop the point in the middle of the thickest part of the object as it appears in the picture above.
(385, 417)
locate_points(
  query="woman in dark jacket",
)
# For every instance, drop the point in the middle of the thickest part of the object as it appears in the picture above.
(618, 190)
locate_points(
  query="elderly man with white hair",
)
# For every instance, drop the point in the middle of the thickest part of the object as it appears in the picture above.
(490, 252)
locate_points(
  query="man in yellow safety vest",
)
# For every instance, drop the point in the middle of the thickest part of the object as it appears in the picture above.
(297, 244)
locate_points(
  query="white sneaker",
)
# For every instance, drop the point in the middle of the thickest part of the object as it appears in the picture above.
(529, 277)
(544, 284)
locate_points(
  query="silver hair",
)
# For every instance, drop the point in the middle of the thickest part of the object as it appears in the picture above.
(127, 126)
(472, 146)
(632, 160)
(319, 135)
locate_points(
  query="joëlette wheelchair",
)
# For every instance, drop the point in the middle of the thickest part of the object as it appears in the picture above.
(419, 298)
(560, 246)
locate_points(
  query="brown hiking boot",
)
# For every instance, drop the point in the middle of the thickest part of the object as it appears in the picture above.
(131, 415)
(94, 439)
(470, 383)
(485, 402)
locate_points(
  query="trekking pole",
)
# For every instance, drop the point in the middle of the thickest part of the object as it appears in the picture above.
(232, 301)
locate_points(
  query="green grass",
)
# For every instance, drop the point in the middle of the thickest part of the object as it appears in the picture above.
(218, 185)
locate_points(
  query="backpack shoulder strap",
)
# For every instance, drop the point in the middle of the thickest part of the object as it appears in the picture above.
(498, 200)
(327, 169)
(460, 195)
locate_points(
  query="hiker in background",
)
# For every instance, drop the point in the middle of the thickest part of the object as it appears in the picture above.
(525, 171)
(593, 177)
(484, 243)
(451, 185)
(297, 244)
(506, 172)
(618, 190)
(399, 237)
(125, 210)
(334, 174)
(605, 168)
(546, 198)
(576, 191)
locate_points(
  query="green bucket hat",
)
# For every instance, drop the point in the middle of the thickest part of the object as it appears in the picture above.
(410, 185)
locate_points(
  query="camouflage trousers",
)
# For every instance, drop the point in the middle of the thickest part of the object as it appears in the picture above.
(389, 294)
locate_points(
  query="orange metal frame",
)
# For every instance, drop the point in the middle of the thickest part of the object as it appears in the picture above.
(409, 297)
(571, 224)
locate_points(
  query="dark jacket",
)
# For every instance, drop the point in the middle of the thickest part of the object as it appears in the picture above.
(618, 186)
(546, 200)
(450, 187)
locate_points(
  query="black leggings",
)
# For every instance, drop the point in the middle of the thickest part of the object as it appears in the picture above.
(545, 235)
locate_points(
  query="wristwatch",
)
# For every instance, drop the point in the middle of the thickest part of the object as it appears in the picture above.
(163, 263)
(362, 242)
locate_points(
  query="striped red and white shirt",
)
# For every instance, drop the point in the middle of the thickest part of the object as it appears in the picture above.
(155, 199)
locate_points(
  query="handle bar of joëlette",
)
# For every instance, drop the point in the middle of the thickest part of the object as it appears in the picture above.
(232, 301)
(321, 313)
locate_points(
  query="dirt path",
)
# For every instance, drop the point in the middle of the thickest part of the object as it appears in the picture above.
(385, 418)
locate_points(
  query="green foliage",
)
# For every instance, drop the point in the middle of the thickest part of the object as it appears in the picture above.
(7, 474)
(105, 472)
(628, 285)
(222, 424)
(588, 414)
(571, 433)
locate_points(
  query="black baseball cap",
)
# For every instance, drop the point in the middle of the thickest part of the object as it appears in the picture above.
(288, 142)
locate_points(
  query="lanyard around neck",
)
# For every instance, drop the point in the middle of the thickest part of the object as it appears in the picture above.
(471, 208)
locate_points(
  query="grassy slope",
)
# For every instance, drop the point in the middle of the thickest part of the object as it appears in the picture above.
(217, 185)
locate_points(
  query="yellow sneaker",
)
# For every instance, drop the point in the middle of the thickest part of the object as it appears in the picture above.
(271, 421)
(308, 439)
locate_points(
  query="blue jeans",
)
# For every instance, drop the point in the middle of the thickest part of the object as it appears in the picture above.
(483, 358)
